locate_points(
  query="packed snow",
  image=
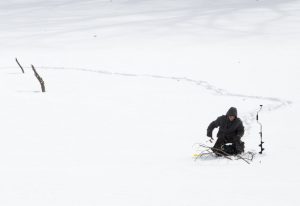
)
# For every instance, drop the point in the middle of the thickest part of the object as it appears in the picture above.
(131, 86)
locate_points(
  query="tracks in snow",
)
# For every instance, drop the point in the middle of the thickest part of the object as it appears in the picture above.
(275, 103)
(248, 119)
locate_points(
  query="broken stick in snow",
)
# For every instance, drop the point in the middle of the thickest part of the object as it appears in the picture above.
(39, 78)
(20, 66)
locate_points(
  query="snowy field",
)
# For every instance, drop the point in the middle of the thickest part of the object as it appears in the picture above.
(131, 85)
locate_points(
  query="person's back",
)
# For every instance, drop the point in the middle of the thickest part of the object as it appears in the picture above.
(230, 132)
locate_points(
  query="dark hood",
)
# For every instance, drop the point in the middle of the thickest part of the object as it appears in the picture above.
(232, 112)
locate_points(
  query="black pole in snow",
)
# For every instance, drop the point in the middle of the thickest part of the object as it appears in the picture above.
(260, 132)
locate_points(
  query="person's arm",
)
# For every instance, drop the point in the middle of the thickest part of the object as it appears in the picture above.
(240, 130)
(212, 126)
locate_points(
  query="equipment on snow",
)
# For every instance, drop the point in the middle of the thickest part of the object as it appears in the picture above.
(260, 132)
(210, 151)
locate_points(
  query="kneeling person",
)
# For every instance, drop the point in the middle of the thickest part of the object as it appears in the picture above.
(230, 132)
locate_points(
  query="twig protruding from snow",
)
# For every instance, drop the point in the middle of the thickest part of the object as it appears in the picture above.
(39, 78)
(20, 66)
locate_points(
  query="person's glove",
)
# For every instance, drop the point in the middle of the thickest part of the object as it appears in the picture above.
(209, 134)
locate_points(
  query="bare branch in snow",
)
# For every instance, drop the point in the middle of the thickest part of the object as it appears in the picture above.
(20, 66)
(39, 78)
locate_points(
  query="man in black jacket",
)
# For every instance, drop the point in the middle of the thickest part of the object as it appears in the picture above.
(230, 132)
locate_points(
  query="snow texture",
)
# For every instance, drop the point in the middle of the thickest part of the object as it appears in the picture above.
(131, 85)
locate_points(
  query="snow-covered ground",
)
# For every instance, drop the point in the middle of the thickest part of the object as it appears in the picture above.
(131, 86)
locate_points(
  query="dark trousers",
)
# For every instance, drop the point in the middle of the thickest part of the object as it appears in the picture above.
(222, 146)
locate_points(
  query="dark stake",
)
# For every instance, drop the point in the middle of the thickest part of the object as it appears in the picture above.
(20, 66)
(39, 78)
(260, 132)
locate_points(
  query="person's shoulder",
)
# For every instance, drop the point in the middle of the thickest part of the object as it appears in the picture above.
(222, 117)
(239, 120)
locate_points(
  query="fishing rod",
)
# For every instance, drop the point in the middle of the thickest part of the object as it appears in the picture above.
(260, 132)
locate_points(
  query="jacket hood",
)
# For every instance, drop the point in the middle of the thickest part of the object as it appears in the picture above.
(232, 112)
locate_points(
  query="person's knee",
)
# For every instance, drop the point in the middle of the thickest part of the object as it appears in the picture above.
(239, 147)
(229, 149)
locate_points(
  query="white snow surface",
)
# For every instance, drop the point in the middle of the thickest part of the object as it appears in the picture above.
(131, 85)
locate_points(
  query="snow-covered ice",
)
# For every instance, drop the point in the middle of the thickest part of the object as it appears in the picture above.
(131, 85)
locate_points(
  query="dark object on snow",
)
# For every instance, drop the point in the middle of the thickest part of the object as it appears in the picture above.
(39, 78)
(246, 156)
(231, 130)
(233, 149)
(260, 133)
(229, 146)
(20, 66)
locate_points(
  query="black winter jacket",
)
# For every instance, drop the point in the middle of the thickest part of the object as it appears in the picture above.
(231, 130)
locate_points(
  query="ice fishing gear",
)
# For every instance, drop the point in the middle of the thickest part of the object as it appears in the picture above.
(260, 132)
(207, 151)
